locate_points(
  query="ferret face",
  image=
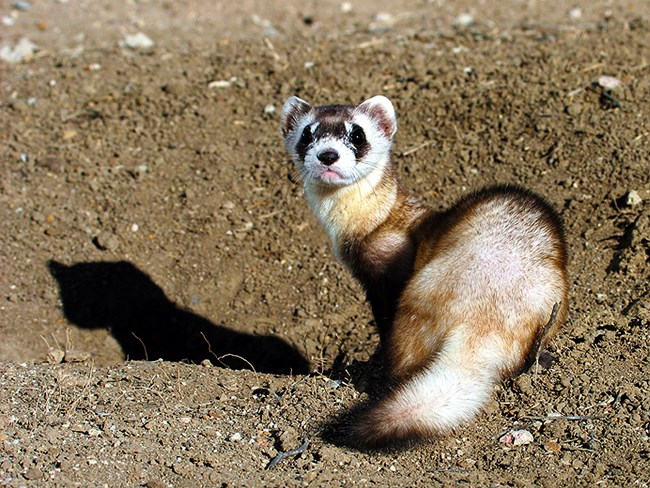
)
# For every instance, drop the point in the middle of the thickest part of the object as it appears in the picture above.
(338, 145)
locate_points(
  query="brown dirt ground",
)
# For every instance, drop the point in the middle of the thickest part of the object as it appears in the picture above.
(147, 214)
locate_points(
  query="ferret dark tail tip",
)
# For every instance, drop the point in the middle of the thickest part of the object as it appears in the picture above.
(361, 430)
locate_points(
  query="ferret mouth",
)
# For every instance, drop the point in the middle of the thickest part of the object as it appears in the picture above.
(331, 176)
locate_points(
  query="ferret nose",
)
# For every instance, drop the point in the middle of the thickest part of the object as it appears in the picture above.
(328, 157)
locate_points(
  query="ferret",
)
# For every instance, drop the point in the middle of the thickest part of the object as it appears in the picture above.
(462, 298)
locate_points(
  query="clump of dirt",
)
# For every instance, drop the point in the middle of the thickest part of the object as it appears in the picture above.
(148, 214)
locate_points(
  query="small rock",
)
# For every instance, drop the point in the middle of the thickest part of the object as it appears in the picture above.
(219, 84)
(138, 41)
(632, 199)
(22, 6)
(69, 134)
(107, 241)
(552, 446)
(346, 7)
(94, 432)
(23, 50)
(268, 29)
(575, 13)
(382, 22)
(19, 105)
(269, 109)
(236, 437)
(517, 438)
(463, 20)
(525, 384)
(609, 82)
(333, 384)
(574, 109)
(33, 474)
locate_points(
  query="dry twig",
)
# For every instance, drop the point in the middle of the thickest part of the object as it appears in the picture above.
(285, 454)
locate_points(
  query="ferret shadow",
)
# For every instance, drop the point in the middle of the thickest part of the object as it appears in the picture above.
(148, 326)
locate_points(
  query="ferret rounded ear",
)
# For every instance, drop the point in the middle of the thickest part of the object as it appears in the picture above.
(294, 108)
(381, 110)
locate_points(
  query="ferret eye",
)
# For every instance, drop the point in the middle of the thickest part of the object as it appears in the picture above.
(306, 137)
(357, 136)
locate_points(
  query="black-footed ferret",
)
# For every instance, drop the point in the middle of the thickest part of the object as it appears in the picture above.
(462, 299)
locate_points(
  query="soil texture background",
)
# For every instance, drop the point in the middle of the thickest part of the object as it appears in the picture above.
(171, 313)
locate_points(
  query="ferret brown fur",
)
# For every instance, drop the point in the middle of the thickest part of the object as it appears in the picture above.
(462, 299)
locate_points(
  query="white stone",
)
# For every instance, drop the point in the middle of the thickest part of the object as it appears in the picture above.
(138, 41)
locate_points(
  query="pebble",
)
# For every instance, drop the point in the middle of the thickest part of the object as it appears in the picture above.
(236, 437)
(23, 6)
(219, 84)
(463, 20)
(382, 22)
(23, 50)
(19, 105)
(517, 438)
(69, 134)
(107, 241)
(269, 109)
(552, 446)
(33, 474)
(575, 13)
(346, 7)
(609, 82)
(138, 41)
(267, 26)
(632, 199)
(333, 384)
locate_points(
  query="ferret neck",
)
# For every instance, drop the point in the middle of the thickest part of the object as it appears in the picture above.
(354, 211)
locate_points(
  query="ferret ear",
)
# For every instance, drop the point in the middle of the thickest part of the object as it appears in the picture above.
(294, 108)
(381, 111)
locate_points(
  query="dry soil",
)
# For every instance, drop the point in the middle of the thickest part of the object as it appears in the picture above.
(170, 311)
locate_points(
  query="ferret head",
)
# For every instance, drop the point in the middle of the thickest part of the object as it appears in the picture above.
(338, 145)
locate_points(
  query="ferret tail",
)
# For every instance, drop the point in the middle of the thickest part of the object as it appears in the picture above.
(429, 405)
